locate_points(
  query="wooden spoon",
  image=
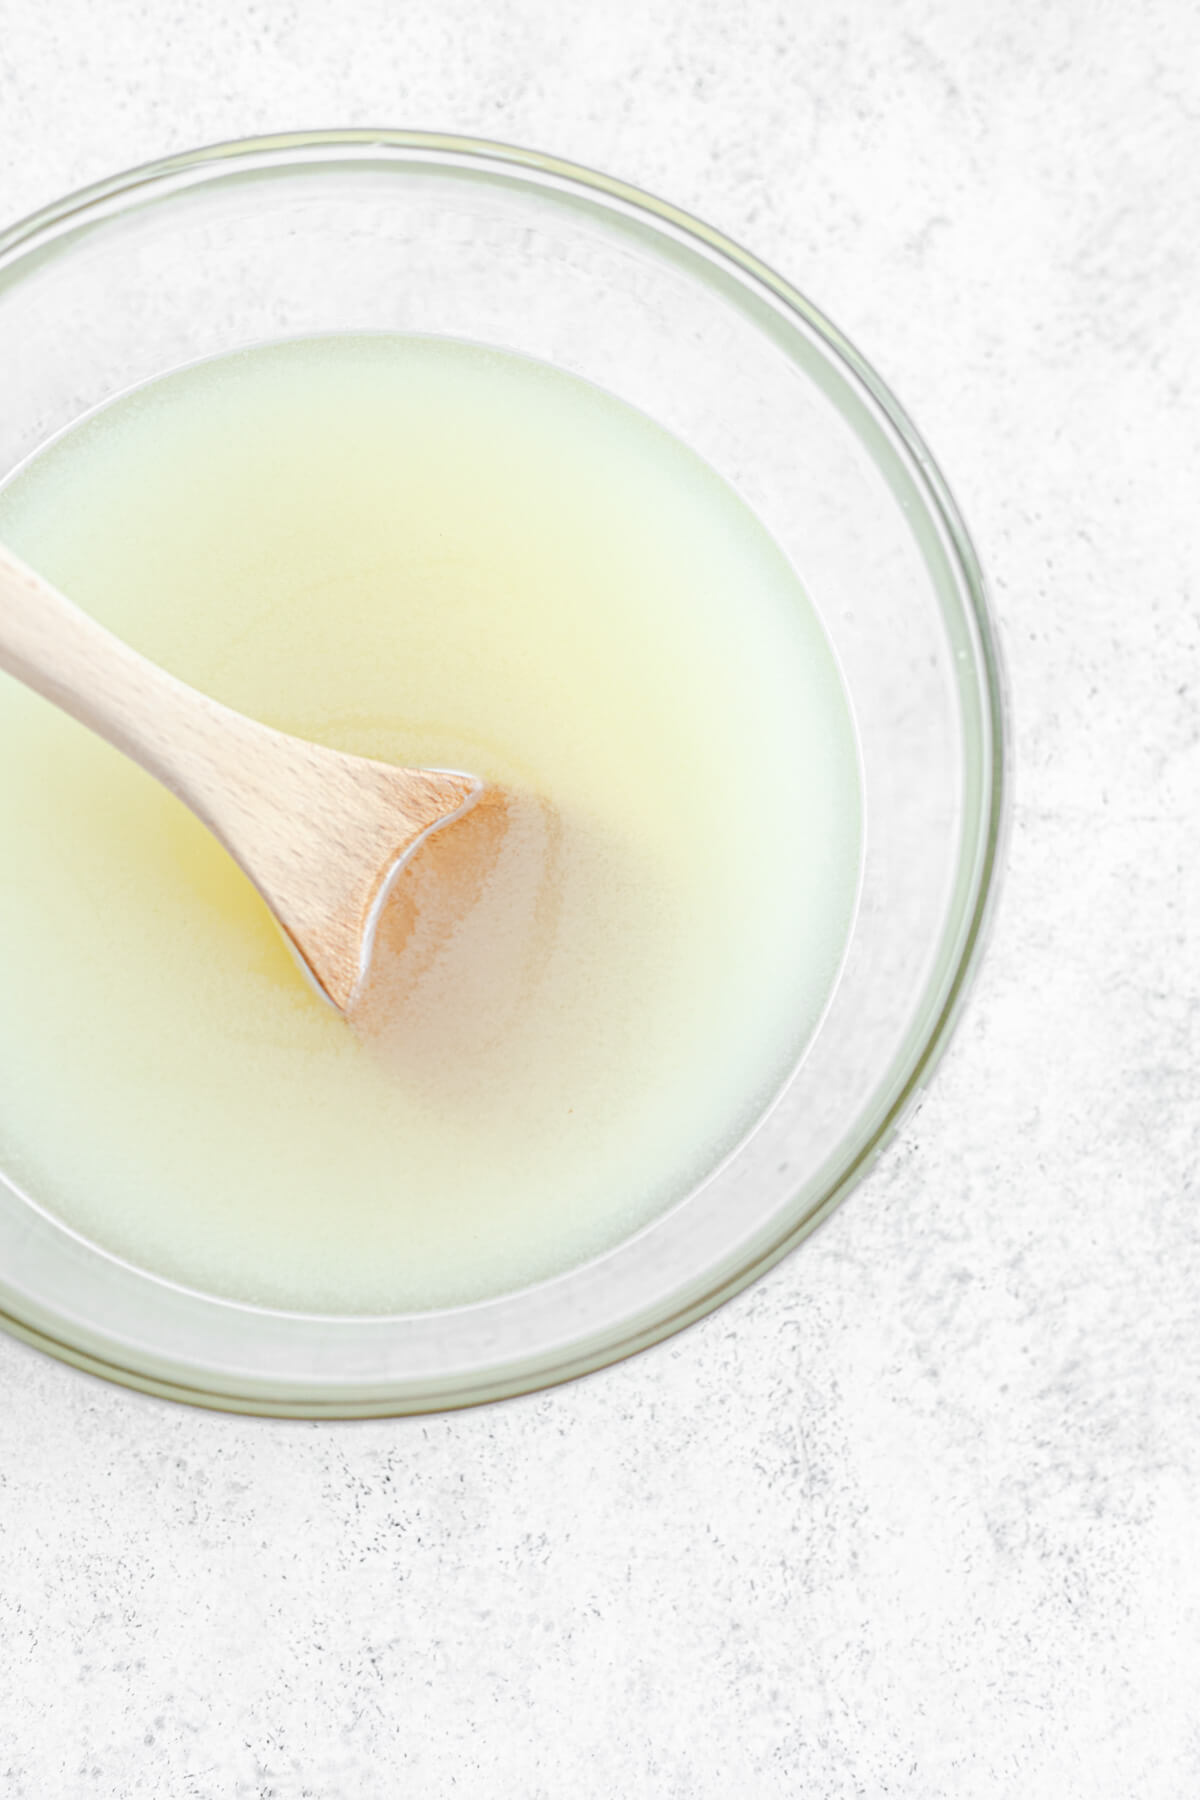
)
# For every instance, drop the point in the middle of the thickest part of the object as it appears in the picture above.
(321, 835)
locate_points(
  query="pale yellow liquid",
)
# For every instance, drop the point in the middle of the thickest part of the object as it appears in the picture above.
(430, 553)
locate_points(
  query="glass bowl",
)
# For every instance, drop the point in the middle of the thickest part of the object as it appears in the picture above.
(407, 231)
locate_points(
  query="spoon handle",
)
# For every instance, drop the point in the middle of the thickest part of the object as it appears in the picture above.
(70, 659)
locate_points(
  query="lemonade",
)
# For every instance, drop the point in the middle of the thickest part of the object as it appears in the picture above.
(433, 553)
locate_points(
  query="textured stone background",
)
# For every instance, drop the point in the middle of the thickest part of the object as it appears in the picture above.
(915, 1516)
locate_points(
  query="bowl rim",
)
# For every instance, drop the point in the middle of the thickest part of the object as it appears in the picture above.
(991, 836)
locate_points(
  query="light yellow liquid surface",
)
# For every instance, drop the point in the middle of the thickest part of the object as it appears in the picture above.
(431, 553)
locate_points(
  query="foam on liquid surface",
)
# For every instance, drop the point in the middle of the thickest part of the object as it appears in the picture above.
(430, 553)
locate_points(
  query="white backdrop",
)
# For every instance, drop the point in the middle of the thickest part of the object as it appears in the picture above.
(916, 1515)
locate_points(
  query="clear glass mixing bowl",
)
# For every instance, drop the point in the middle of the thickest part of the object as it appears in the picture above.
(405, 231)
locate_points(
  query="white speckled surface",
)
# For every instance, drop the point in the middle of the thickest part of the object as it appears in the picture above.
(915, 1516)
